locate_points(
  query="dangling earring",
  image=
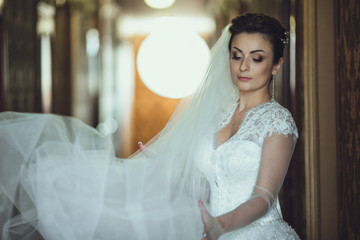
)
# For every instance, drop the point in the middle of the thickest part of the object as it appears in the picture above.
(234, 94)
(273, 88)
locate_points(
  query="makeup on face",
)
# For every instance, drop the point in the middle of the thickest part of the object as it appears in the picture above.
(251, 62)
(255, 55)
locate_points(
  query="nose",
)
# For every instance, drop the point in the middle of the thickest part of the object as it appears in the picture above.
(244, 66)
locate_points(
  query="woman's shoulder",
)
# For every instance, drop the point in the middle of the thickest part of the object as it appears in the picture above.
(276, 109)
(279, 120)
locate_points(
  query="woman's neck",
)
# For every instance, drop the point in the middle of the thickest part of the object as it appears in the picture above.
(248, 100)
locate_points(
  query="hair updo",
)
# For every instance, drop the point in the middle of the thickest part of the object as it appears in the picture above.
(260, 23)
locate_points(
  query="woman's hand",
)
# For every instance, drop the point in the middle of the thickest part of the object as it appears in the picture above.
(213, 229)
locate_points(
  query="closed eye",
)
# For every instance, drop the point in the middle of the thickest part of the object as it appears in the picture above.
(257, 59)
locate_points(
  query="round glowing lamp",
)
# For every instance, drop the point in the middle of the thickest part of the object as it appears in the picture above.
(159, 4)
(171, 61)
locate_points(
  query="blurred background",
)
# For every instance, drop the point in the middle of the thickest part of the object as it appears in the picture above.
(122, 66)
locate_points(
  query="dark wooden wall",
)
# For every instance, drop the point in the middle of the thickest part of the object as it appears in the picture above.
(19, 76)
(348, 116)
(20, 83)
(62, 97)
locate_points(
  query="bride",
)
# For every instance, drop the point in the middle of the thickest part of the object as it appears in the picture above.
(214, 171)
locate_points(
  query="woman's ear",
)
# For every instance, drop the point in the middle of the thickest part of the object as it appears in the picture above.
(276, 67)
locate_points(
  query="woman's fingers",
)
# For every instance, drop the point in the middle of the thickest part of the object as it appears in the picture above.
(204, 213)
(204, 236)
(201, 204)
(202, 207)
(213, 228)
(143, 149)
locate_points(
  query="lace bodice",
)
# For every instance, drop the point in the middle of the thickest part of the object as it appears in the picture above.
(233, 166)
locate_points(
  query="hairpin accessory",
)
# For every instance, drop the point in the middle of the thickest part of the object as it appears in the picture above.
(286, 39)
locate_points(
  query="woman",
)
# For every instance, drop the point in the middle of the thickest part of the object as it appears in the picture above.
(228, 146)
(254, 146)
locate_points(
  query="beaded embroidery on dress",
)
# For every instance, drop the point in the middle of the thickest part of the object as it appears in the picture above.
(232, 170)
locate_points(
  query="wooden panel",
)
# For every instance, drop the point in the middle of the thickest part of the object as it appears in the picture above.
(2, 80)
(348, 116)
(325, 51)
(20, 85)
(62, 69)
(306, 155)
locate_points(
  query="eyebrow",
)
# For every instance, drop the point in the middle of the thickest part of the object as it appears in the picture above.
(255, 51)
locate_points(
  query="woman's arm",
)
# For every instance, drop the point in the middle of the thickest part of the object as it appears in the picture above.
(275, 158)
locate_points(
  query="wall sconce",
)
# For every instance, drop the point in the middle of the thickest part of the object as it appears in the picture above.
(159, 4)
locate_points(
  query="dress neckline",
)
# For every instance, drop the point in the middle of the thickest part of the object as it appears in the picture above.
(245, 119)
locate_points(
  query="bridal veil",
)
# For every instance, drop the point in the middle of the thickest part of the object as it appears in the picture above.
(66, 182)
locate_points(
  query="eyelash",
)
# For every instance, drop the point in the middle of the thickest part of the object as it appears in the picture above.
(257, 59)
(254, 59)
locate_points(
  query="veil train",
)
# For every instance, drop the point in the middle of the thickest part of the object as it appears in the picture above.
(66, 182)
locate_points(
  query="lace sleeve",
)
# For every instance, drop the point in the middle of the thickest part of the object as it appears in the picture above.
(279, 142)
(280, 121)
(277, 149)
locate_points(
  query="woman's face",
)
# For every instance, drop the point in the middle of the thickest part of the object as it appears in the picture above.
(251, 62)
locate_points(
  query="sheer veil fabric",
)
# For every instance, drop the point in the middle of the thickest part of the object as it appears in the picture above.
(66, 182)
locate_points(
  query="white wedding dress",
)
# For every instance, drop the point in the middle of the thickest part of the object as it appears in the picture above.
(67, 184)
(233, 169)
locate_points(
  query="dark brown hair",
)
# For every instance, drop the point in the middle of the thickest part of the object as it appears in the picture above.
(260, 23)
